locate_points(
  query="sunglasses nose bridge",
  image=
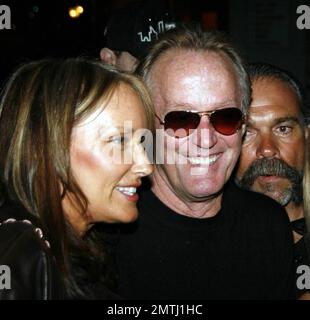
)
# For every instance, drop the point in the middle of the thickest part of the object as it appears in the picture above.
(205, 113)
(208, 114)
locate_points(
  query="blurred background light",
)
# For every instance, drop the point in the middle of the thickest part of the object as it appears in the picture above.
(35, 9)
(80, 9)
(75, 12)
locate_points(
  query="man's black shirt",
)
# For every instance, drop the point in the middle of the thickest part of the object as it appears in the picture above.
(243, 252)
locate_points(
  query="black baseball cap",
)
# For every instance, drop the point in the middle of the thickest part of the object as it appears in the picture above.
(134, 27)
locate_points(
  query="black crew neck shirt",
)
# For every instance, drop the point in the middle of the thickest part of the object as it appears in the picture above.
(244, 252)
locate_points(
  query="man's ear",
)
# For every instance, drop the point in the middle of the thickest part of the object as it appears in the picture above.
(307, 130)
(108, 56)
(243, 129)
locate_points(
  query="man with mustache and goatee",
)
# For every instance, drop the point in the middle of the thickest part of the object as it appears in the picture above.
(272, 157)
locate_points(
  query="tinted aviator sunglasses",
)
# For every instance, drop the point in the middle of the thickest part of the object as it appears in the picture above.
(226, 121)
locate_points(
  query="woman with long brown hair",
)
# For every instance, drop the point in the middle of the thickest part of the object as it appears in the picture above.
(64, 139)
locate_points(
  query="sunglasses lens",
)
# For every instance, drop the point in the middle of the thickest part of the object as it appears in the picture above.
(179, 123)
(227, 121)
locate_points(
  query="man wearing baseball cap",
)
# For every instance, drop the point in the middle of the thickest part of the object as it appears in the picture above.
(130, 31)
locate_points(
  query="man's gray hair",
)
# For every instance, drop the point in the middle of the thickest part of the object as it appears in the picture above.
(261, 71)
(194, 39)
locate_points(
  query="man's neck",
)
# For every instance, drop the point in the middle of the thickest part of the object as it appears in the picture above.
(181, 203)
(294, 212)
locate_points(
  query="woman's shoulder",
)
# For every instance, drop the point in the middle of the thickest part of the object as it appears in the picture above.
(21, 234)
(13, 210)
(26, 254)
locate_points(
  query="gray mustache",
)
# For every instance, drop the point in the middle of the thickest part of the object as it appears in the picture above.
(270, 167)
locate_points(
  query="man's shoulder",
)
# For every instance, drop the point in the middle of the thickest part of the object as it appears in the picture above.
(253, 204)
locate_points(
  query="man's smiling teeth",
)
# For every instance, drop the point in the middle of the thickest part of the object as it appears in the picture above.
(203, 160)
(129, 191)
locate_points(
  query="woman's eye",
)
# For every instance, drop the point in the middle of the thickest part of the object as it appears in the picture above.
(119, 140)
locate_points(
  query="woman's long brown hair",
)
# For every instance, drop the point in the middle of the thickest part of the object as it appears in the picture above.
(40, 105)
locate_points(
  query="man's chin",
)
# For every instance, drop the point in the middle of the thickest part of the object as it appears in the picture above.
(204, 191)
(283, 198)
(280, 198)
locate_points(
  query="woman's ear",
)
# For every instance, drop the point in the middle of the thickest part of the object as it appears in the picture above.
(108, 56)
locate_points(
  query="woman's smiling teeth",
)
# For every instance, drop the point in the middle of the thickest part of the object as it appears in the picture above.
(129, 191)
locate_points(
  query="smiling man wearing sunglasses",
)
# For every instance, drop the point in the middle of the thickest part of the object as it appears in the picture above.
(199, 236)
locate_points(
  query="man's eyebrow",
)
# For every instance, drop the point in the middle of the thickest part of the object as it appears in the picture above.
(188, 106)
(277, 121)
(286, 119)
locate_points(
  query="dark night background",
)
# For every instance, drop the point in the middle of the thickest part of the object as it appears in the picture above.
(264, 30)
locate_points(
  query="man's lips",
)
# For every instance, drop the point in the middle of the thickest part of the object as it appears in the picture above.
(268, 179)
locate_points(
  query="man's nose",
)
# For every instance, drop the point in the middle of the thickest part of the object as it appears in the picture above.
(205, 134)
(267, 147)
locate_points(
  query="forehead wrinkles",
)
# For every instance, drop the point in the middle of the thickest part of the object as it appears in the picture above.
(181, 76)
(275, 95)
(273, 90)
